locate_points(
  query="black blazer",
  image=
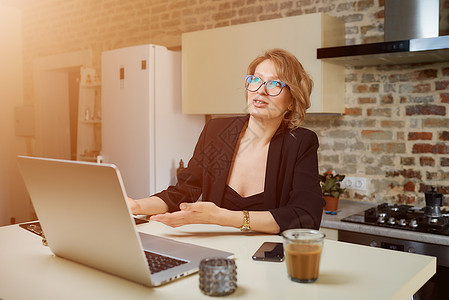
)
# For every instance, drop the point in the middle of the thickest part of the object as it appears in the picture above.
(292, 187)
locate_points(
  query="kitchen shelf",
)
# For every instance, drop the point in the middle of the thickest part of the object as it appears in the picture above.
(89, 114)
(91, 122)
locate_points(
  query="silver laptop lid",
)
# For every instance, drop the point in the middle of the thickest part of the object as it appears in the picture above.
(83, 212)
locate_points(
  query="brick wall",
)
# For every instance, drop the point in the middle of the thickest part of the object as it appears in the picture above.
(395, 132)
(396, 128)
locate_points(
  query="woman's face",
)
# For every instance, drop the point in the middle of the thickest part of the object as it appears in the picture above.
(260, 104)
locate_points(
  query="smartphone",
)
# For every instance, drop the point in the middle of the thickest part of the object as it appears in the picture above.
(270, 251)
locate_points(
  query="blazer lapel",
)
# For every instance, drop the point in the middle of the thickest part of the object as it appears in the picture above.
(227, 138)
(272, 171)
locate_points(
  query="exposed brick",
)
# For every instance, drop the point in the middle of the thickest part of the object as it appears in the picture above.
(413, 136)
(425, 110)
(387, 99)
(367, 28)
(445, 71)
(271, 7)
(421, 99)
(407, 161)
(444, 161)
(444, 97)
(440, 189)
(444, 136)
(344, 6)
(427, 161)
(428, 148)
(270, 16)
(286, 5)
(224, 6)
(367, 100)
(377, 134)
(224, 15)
(409, 187)
(441, 85)
(364, 4)
(422, 75)
(380, 14)
(434, 123)
(351, 77)
(251, 10)
(310, 10)
(376, 147)
(410, 200)
(372, 39)
(404, 173)
(388, 87)
(379, 112)
(364, 88)
(395, 147)
(422, 148)
(432, 175)
(353, 111)
(368, 78)
(422, 88)
(441, 149)
(391, 123)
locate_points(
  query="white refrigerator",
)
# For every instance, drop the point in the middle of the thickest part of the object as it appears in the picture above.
(144, 131)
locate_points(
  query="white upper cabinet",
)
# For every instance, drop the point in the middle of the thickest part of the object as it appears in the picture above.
(214, 62)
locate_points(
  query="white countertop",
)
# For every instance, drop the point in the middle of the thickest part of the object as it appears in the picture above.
(347, 208)
(30, 271)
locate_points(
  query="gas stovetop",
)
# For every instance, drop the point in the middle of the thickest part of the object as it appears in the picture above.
(404, 217)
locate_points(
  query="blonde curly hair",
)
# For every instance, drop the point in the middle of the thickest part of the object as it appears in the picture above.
(299, 83)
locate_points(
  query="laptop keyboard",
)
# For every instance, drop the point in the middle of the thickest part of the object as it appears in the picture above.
(158, 263)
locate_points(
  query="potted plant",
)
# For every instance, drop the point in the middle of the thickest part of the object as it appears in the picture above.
(331, 189)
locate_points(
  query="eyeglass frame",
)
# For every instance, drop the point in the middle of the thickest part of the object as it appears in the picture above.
(283, 84)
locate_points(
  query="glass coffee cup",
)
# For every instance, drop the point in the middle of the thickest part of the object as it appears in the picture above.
(303, 248)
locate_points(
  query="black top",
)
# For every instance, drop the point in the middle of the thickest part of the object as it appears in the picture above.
(292, 186)
(233, 201)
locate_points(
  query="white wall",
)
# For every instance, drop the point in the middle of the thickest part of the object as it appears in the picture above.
(14, 202)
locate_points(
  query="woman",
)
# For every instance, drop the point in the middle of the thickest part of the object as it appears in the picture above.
(258, 172)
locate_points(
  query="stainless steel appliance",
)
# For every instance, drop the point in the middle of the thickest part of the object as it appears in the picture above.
(428, 220)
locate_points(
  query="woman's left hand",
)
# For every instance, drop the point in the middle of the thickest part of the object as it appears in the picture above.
(191, 213)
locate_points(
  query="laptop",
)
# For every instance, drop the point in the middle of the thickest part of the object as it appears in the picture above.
(82, 209)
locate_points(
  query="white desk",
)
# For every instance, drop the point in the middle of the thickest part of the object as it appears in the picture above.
(28, 270)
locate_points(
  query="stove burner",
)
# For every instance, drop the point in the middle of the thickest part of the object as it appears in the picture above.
(403, 217)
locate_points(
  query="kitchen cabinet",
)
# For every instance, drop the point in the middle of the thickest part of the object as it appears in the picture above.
(89, 115)
(331, 234)
(214, 62)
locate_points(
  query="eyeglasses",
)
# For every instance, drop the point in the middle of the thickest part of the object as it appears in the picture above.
(272, 87)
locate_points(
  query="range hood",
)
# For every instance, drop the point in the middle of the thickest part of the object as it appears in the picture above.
(412, 51)
(411, 32)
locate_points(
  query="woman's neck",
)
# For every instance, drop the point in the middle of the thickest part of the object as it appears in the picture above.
(262, 131)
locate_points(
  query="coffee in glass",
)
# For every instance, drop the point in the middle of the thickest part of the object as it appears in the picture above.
(303, 248)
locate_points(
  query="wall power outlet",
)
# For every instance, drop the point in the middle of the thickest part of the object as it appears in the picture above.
(354, 183)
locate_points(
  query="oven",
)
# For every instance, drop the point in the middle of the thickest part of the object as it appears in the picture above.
(436, 287)
(427, 233)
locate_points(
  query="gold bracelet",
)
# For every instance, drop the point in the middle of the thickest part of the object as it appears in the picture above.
(245, 227)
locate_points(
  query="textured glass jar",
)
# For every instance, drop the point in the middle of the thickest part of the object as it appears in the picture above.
(218, 276)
